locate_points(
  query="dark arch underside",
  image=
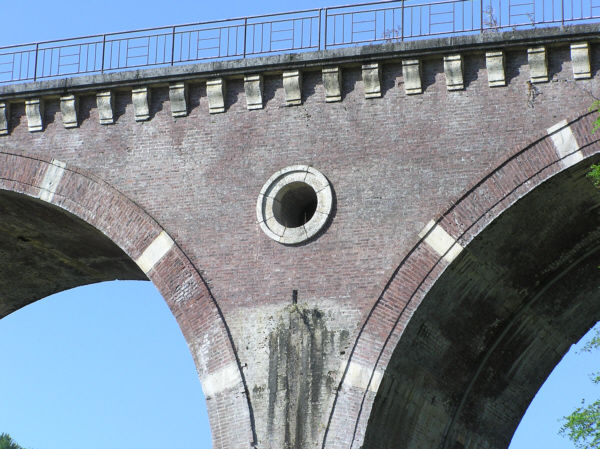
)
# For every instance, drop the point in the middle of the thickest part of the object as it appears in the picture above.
(45, 250)
(495, 324)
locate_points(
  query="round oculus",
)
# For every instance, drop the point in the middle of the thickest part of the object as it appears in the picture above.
(294, 204)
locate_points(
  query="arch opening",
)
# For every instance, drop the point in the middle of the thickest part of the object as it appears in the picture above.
(49, 253)
(495, 324)
(98, 366)
(45, 250)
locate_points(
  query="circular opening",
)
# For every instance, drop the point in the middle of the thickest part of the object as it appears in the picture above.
(295, 205)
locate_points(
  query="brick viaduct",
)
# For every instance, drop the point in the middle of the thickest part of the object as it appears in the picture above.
(456, 265)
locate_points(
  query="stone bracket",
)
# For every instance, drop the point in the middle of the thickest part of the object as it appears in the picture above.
(580, 58)
(332, 81)
(371, 74)
(453, 68)
(140, 97)
(105, 101)
(178, 94)
(34, 108)
(538, 64)
(4, 117)
(253, 86)
(412, 71)
(292, 85)
(495, 64)
(215, 89)
(69, 107)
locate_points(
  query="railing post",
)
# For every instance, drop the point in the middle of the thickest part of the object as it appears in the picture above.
(402, 21)
(37, 46)
(245, 34)
(320, 11)
(481, 15)
(173, 48)
(325, 29)
(562, 12)
(103, 52)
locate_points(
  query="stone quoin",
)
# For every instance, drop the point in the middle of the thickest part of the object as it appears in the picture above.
(444, 236)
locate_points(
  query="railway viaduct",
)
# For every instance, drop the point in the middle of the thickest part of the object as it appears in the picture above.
(386, 246)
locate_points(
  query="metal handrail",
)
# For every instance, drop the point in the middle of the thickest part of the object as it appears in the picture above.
(304, 30)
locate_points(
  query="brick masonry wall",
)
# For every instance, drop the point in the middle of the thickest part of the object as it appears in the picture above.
(395, 163)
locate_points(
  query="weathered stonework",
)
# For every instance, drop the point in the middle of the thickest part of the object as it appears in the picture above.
(538, 64)
(332, 82)
(580, 58)
(4, 117)
(105, 101)
(69, 107)
(215, 88)
(140, 97)
(292, 85)
(371, 74)
(253, 86)
(411, 72)
(178, 96)
(453, 68)
(34, 109)
(494, 63)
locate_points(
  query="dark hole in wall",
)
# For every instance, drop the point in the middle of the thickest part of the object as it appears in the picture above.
(297, 205)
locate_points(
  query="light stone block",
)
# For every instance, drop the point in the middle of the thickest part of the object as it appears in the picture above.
(538, 64)
(292, 85)
(161, 245)
(332, 81)
(34, 108)
(253, 86)
(105, 102)
(52, 177)
(224, 379)
(453, 69)
(495, 64)
(412, 73)
(580, 59)
(4, 117)
(362, 377)
(565, 143)
(140, 97)
(215, 89)
(178, 94)
(440, 241)
(371, 74)
(69, 107)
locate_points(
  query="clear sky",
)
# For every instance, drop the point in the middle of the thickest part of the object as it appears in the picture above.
(106, 366)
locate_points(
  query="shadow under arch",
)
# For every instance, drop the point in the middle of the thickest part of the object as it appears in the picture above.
(495, 324)
(495, 194)
(64, 227)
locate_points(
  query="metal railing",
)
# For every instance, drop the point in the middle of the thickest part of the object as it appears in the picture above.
(315, 29)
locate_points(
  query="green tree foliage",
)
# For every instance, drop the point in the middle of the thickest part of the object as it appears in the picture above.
(594, 175)
(595, 107)
(582, 426)
(6, 442)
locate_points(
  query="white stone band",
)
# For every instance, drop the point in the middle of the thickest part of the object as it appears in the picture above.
(52, 178)
(565, 143)
(156, 251)
(440, 241)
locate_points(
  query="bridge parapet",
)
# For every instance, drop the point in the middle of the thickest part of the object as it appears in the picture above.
(290, 66)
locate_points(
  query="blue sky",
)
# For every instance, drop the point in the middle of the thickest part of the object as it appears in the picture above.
(106, 365)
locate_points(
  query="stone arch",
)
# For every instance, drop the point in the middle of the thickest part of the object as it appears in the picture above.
(564, 151)
(89, 206)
